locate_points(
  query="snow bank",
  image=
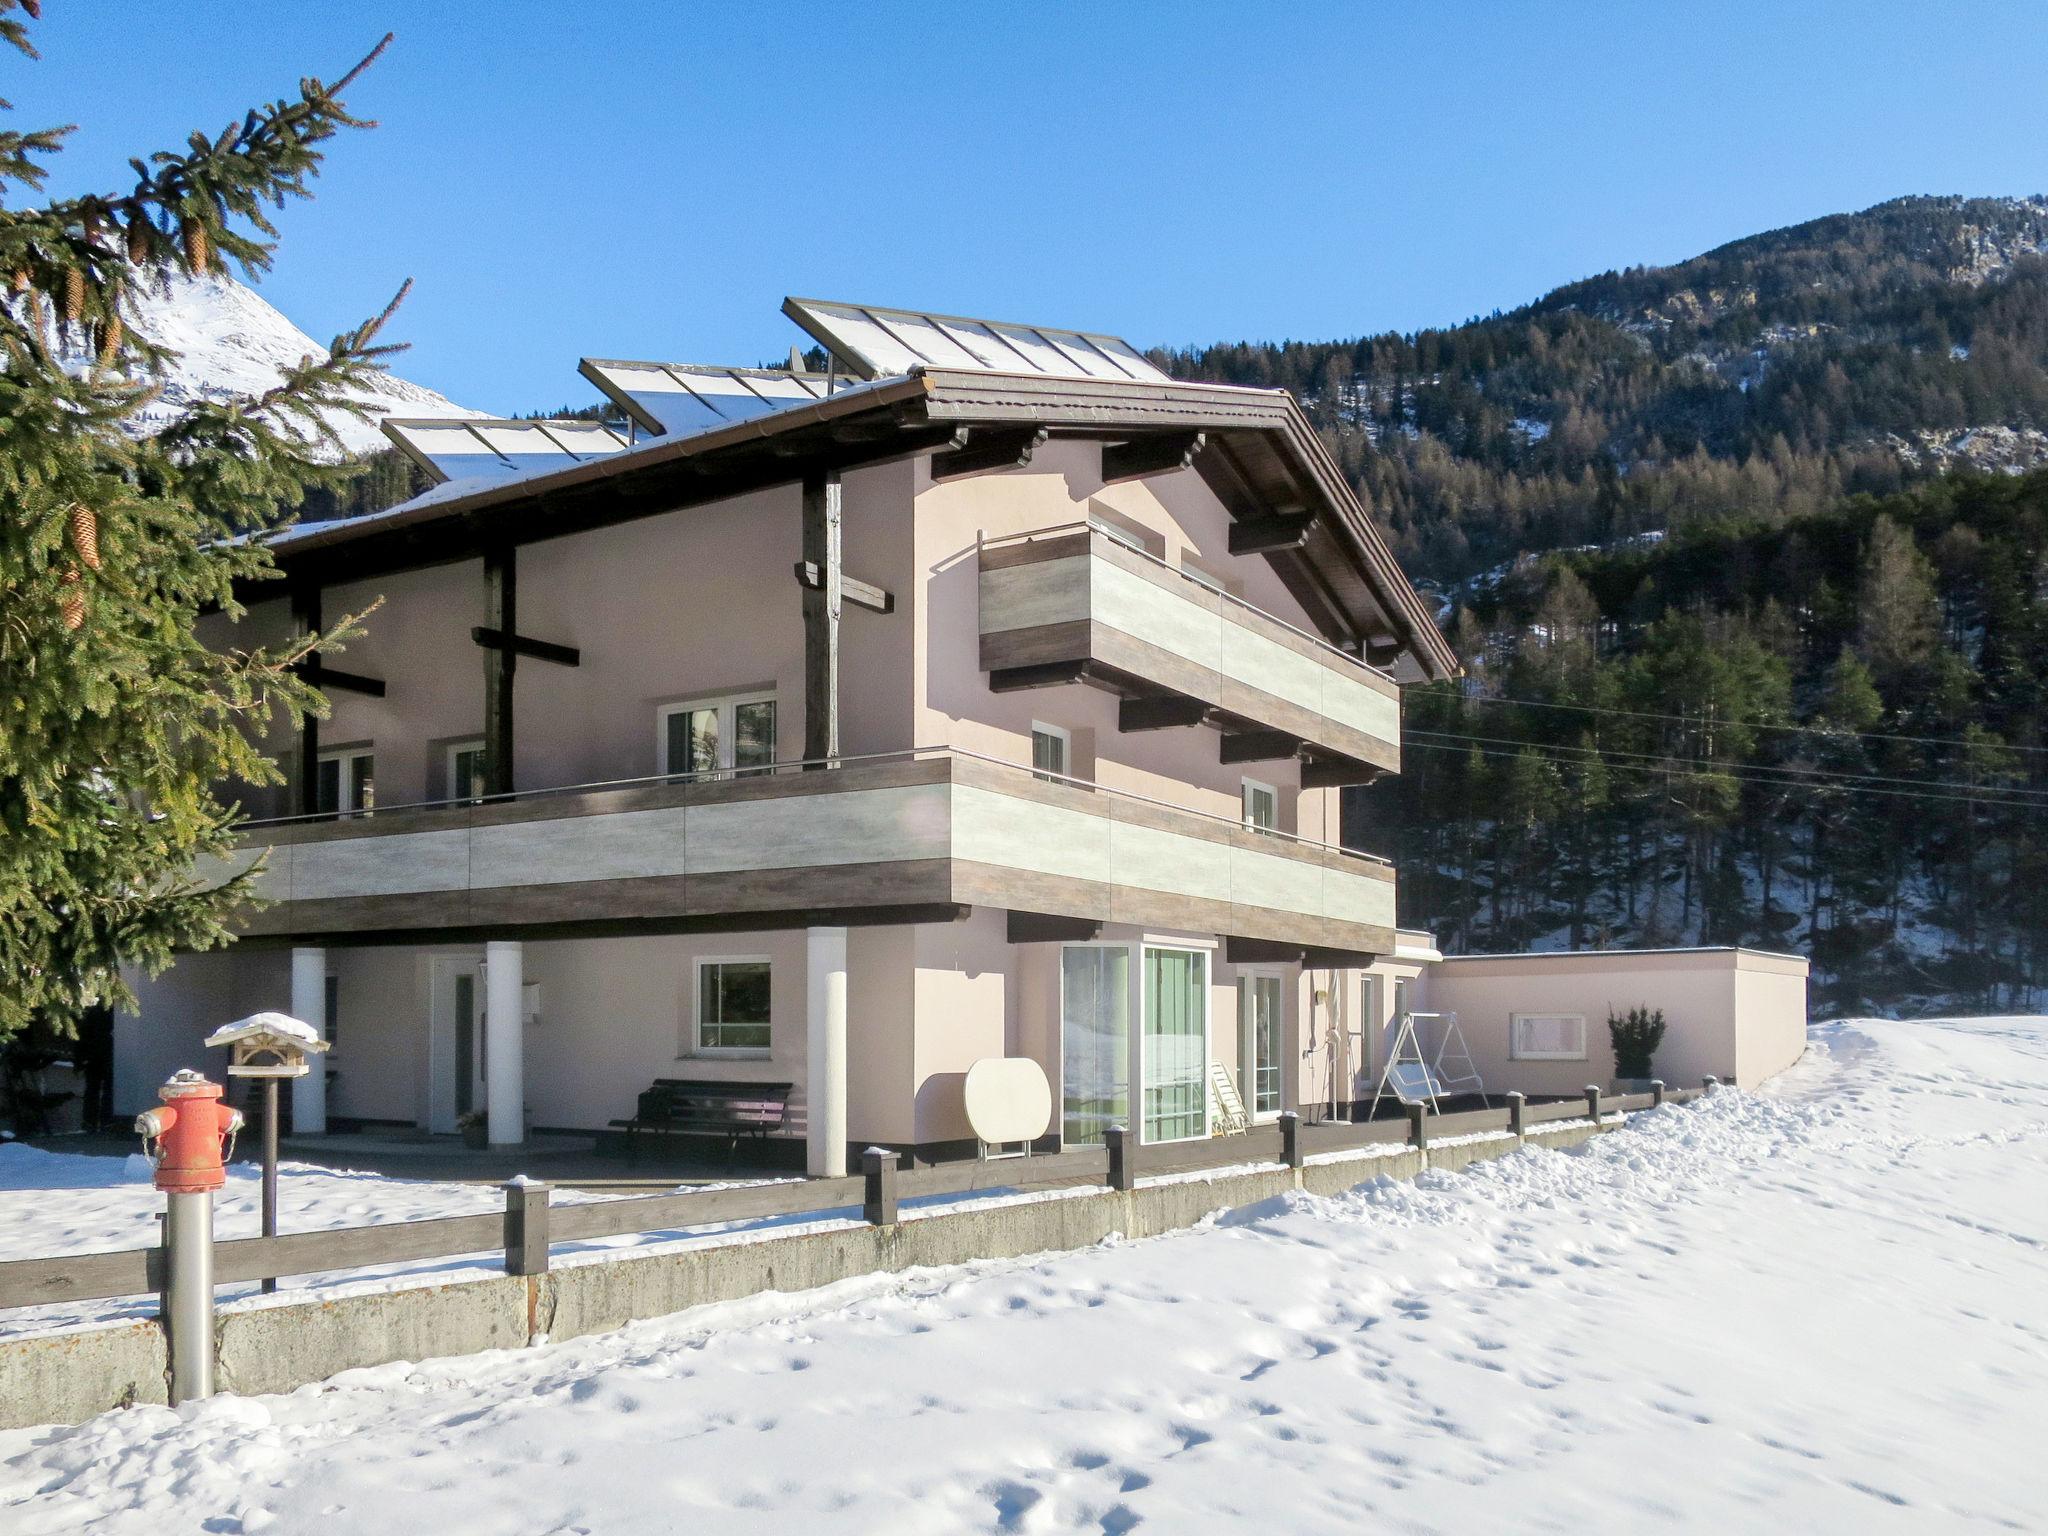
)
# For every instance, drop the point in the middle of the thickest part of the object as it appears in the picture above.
(1813, 1309)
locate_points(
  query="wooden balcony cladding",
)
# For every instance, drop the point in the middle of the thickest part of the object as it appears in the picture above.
(1078, 598)
(890, 841)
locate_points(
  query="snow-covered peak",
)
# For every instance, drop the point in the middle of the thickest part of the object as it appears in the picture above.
(231, 342)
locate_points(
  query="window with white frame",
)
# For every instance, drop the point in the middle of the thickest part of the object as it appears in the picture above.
(1052, 750)
(730, 1013)
(1263, 995)
(735, 733)
(1547, 1036)
(1261, 806)
(466, 770)
(347, 783)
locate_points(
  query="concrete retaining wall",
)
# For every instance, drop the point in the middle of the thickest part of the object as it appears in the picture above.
(68, 1377)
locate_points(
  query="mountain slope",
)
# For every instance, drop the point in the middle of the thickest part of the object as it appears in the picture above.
(1767, 378)
(232, 342)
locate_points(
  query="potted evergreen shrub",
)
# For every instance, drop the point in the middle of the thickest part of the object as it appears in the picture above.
(1636, 1036)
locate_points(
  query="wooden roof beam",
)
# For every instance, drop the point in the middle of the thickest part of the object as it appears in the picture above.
(1269, 535)
(1259, 746)
(1160, 713)
(1158, 454)
(989, 449)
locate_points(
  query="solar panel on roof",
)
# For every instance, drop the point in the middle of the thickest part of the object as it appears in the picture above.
(454, 448)
(874, 342)
(676, 399)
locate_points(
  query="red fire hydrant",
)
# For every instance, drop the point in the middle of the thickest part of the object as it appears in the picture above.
(187, 1136)
(191, 1131)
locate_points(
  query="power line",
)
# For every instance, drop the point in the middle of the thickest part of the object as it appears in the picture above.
(1753, 725)
(1653, 769)
(2020, 794)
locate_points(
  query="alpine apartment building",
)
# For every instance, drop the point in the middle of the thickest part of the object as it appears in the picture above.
(987, 693)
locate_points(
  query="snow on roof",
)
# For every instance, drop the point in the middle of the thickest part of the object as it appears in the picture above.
(268, 1024)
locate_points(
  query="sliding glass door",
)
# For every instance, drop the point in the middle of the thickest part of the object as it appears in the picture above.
(1176, 1044)
(1263, 996)
(1095, 1035)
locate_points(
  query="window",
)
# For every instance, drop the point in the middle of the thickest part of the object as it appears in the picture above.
(713, 735)
(1051, 751)
(1175, 1058)
(1095, 1041)
(1261, 806)
(1263, 996)
(1214, 580)
(732, 1004)
(1547, 1036)
(347, 785)
(466, 771)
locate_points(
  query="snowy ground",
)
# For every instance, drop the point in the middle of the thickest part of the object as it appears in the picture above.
(1817, 1308)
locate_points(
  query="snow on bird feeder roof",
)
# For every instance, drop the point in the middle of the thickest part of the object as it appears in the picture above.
(267, 1045)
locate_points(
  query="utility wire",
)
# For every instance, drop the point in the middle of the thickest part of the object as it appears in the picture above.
(1652, 770)
(1753, 725)
(2021, 794)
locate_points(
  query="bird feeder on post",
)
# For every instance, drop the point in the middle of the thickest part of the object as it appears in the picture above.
(268, 1047)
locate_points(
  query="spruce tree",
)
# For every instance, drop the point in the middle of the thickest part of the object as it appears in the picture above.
(116, 723)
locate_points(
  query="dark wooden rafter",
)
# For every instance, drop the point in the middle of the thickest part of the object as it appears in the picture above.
(989, 448)
(501, 664)
(331, 680)
(526, 645)
(1383, 650)
(1051, 674)
(1045, 928)
(1338, 772)
(1160, 713)
(823, 518)
(305, 773)
(861, 594)
(1259, 746)
(1270, 534)
(1154, 454)
(1243, 951)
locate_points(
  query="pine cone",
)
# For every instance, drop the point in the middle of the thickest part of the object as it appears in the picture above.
(85, 534)
(193, 233)
(74, 295)
(110, 341)
(73, 601)
(138, 239)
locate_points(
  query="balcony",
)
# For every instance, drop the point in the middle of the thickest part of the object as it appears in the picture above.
(906, 837)
(1073, 604)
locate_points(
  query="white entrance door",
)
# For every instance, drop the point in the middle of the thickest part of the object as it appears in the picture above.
(1174, 1049)
(1262, 995)
(456, 1040)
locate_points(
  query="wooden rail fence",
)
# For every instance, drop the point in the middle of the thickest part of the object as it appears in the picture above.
(529, 1224)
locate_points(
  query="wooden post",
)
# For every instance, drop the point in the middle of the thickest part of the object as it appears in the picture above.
(526, 1227)
(823, 512)
(1418, 1131)
(1123, 1174)
(1709, 1083)
(878, 1167)
(305, 774)
(1290, 1138)
(501, 662)
(1517, 1103)
(1593, 1102)
(1656, 1093)
(270, 1161)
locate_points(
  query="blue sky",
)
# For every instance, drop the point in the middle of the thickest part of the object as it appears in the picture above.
(649, 180)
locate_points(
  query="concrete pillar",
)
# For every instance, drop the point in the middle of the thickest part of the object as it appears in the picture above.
(309, 1006)
(505, 1042)
(825, 1081)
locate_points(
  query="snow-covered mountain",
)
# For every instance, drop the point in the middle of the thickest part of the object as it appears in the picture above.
(232, 342)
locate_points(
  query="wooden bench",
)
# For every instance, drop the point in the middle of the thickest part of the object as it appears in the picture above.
(695, 1107)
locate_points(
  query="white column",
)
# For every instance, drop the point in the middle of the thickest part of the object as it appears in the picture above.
(505, 1041)
(309, 1006)
(825, 1081)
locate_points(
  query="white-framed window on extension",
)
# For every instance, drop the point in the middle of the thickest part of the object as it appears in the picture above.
(347, 783)
(730, 1014)
(466, 770)
(733, 733)
(1261, 806)
(1262, 996)
(1052, 750)
(1547, 1036)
